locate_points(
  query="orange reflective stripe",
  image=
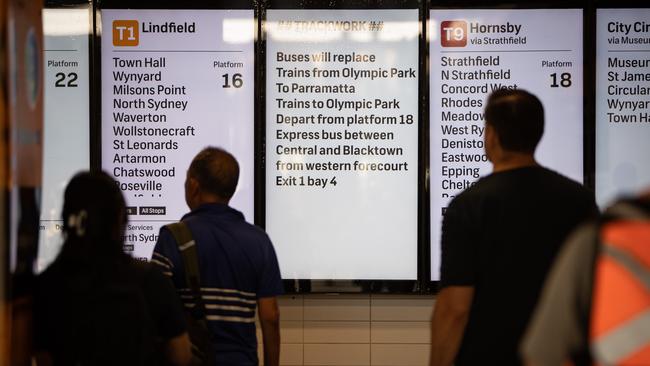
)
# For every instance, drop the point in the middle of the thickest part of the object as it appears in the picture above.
(618, 297)
(631, 236)
(641, 357)
(620, 325)
(624, 341)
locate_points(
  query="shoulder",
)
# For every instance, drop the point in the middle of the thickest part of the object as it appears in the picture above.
(550, 176)
(140, 274)
(147, 271)
(563, 179)
(165, 236)
(153, 284)
(569, 189)
(253, 241)
(257, 232)
(48, 281)
(581, 243)
(256, 238)
(482, 188)
(229, 220)
(52, 272)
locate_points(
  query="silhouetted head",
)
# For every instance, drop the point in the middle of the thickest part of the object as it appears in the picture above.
(212, 177)
(514, 120)
(94, 216)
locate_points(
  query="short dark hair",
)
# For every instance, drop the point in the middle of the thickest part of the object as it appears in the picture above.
(216, 171)
(518, 118)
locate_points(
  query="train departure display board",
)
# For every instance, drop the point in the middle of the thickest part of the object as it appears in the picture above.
(622, 102)
(174, 82)
(66, 127)
(476, 51)
(342, 142)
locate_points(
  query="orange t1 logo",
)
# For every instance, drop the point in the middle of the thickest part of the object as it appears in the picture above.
(126, 33)
(453, 33)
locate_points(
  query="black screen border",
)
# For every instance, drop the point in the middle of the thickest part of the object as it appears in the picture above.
(96, 91)
(620, 4)
(83, 5)
(88, 6)
(588, 58)
(302, 286)
(99, 5)
(605, 4)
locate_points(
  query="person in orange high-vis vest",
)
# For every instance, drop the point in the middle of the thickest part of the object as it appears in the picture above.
(620, 316)
(595, 308)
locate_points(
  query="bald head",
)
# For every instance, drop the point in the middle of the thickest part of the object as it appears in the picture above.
(216, 171)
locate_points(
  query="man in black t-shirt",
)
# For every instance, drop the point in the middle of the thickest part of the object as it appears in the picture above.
(499, 238)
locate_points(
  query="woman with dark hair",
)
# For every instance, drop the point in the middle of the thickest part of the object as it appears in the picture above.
(95, 305)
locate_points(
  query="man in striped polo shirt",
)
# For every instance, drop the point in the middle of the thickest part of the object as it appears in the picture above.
(237, 263)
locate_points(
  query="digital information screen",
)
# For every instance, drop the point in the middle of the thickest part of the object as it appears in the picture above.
(342, 142)
(474, 52)
(174, 82)
(622, 103)
(67, 115)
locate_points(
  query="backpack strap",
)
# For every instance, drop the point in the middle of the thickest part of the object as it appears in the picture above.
(187, 247)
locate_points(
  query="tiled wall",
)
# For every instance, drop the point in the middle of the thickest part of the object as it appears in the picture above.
(320, 330)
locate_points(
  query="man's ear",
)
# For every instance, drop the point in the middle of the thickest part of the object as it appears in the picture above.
(491, 136)
(192, 186)
(489, 131)
(191, 192)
